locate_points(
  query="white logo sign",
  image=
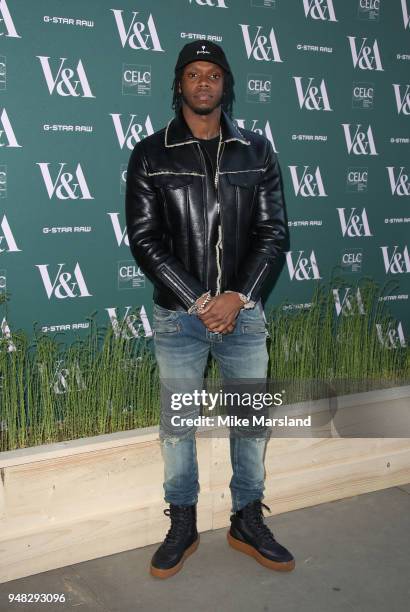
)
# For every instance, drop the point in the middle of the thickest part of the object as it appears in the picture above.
(7, 238)
(138, 35)
(312, 97)
(368, 9)
(136, 80)
(365, 57)
(363, 95)
(398, 263)
(265, 131)
(352, 259)
(203, 51)
(134, 132)
(361, 143)
(130, 276)
(3, 73)
(319, 9)
(392, 337)
(7, 20)
(310, 184)
(216, 3)
(305, 268)
(7, 131)
(400, 184)
(356, 225)
(293, 346)
(64, 379)
(64, 186)
(349, 303)
(6, 333)
(131, 325)
(120, 234)
(402, 100)
(258, 88)
(356, 179)
(67, 82)
(65, 284)
(259, 47)
(406, 14)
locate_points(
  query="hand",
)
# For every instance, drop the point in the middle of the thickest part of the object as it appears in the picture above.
(220, 313)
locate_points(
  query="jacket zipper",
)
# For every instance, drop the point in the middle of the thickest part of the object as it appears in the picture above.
(218, 247)
(204, 164)
(219, 244)
(172, 280)
(256, 282)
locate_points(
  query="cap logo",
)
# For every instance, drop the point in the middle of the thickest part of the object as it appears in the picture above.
(203, 50)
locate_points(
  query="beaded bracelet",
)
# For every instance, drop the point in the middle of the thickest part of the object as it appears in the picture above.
(195, 308)
(205, 302)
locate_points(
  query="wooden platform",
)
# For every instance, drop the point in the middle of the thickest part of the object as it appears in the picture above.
(69, 502)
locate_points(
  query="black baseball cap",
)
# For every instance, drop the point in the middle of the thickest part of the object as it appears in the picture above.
(202, 50)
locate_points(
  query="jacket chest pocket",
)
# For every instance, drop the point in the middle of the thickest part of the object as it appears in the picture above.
(246, 179)
(174, 194)
(171, 182)
(246, 186)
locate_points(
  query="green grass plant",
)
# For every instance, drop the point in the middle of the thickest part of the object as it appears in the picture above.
(52, 391)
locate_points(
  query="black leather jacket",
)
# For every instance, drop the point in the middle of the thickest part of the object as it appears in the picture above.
(177, 211)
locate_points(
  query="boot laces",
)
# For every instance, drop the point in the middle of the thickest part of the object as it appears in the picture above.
(179, 524)
(254, 516)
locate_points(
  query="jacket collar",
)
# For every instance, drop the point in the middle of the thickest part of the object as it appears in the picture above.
(178, 133)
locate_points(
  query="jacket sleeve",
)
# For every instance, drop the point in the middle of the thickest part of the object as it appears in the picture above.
(145, 234)
(270, 234)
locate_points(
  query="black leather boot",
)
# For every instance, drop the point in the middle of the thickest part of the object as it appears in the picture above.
(181, 541)
(250, 535)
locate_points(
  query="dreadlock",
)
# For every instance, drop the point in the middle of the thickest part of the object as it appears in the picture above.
(228, 96)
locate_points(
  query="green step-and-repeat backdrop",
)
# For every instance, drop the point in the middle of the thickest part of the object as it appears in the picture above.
(327, 81)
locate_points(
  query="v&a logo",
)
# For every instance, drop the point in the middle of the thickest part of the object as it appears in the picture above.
(5, 17)
(68, 81)
(137, 34)
(65, 284)
(134, 132)
(260, 47)
(64, 186)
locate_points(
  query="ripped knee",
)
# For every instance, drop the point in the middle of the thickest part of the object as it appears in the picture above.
(172, 439)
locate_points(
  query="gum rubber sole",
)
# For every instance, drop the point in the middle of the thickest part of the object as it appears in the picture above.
(286, 566)
(166, 573)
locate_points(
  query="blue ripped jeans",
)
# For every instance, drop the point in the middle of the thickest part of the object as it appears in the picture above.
(182, 344)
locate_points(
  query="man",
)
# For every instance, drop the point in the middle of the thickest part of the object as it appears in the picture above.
(206, 223)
